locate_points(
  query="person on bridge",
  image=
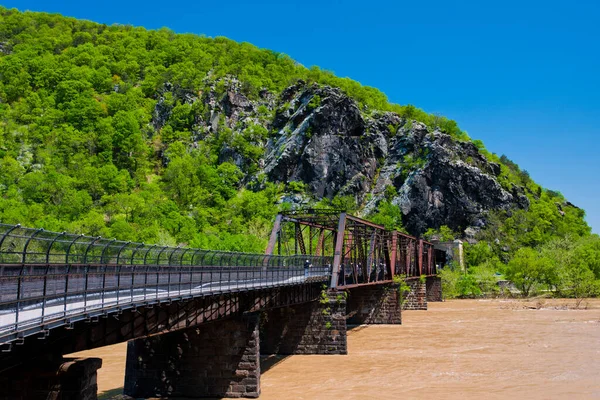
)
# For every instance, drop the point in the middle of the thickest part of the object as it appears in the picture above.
(381, 271)
(307, 266)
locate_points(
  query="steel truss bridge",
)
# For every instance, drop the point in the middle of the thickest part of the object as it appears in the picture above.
(50, 280)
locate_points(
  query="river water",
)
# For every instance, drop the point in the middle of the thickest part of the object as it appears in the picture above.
(461, 349)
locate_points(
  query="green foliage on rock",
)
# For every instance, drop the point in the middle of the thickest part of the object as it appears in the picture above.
(388, 215)
(443, 234)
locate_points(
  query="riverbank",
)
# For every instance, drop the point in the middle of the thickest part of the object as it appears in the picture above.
(458, 349)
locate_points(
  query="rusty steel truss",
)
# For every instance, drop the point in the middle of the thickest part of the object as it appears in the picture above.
(363, 252)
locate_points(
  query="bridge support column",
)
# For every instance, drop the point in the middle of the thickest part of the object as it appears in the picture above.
(318, 327)
(433, 287)
(376, 304)
(416, 298)
(219, 359)
(65, 379)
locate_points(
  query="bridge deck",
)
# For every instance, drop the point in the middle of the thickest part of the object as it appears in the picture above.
(32, 302)
(50, 279)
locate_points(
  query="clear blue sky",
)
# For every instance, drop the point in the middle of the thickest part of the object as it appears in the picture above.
(523, 76)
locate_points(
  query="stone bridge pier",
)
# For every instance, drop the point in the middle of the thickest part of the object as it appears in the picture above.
(222, 358)
(422, 291)
(318, 327)
(375, 304)
(52, 378)
(216, 359)
(433, 288)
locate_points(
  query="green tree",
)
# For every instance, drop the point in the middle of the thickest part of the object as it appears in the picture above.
(477, 254)
(388, 215)
(528, 269)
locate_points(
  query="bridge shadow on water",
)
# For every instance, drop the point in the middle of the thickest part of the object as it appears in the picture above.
(269, 361)
(357, 328)
(113, 394)
(117, 394)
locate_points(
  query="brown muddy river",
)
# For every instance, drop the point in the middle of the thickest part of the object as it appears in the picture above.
(458, 349)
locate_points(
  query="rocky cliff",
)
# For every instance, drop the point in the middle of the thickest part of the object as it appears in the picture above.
(320, 137)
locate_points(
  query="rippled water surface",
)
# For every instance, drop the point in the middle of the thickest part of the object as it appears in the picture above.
(455, 350)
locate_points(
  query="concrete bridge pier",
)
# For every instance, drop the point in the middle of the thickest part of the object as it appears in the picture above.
(318, 327)
(375, 304)
(218, 359)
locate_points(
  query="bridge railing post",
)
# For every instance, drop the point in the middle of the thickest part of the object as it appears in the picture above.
(339, 248)
(393, 254)
(221, 272)
(67, 273)
(133, 273)
(180, 273)
(85, 289)
(118, 269)
(19, 290)
(49, 249)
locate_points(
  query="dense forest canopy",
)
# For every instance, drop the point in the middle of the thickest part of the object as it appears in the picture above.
(78, 150)
(82, 148)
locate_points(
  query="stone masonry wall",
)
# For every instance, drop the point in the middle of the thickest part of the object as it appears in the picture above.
(65, 379)
(220, 359)
(416, 298)
(434, 288)
(376, 304)
(318, 327)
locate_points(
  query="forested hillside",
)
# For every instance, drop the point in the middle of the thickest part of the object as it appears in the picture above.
(171, 138)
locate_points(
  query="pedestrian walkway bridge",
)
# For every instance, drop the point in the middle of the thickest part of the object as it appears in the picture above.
(50, 279)
(62, 292)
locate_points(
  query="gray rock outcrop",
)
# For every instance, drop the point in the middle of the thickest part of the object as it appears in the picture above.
(320, 136)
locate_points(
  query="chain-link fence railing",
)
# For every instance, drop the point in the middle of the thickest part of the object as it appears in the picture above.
(49, 278)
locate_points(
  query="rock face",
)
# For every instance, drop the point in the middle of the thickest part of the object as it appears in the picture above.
(320, 136)
(321, 141)
(453, 184)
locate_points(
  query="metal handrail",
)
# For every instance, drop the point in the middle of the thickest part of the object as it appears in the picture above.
(102, 276)
(52, 244)
(120, 249)
(29, 241)
(37, 295)
(26, 242)
(135, 251)
(70, 246)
